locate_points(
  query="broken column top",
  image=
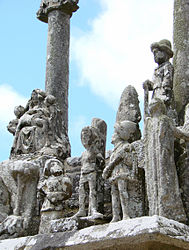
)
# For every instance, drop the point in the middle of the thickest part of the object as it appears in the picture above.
(46, 6)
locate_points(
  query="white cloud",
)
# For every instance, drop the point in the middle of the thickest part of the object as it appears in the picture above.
(116, 52)
(9, 98)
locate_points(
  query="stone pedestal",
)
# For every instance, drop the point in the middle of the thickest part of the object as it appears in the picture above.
(145, 233)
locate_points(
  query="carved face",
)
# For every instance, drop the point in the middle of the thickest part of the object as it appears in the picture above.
(160, 56)
(53, 167)
(56, 169)
(124, 130)
(34, 97)
(19, 111)
(115, 137)
(86, 135)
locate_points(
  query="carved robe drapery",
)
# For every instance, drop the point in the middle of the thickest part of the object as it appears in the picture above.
(161, 175)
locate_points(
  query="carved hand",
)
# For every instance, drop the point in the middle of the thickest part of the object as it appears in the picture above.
(147, 85)
(106, 173)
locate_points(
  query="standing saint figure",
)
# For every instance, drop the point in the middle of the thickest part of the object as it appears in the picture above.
(162, 82)
(160, 171)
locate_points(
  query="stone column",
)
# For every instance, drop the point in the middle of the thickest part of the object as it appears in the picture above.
(181, 55)
(57, 14)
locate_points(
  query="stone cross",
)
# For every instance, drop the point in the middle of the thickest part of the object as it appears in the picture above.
(57, 14)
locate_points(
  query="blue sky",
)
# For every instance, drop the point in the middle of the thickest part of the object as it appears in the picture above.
(109, 49)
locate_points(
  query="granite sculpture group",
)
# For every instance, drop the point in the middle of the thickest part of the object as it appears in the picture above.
(39, 185)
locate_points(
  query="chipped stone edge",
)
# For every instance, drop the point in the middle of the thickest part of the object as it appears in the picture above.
(133, 231)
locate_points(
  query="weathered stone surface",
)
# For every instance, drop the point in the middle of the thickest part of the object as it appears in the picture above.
(72, 224)
(73, 161)
(19, 178)
(181, 61)
(94, 140)
(122, 169)
(39, 129)
(46, 6)
(160, 171)
(122, 173)
(129, 108)
(145, 233)
(57, 13)
(101, 128)
(57, 64)
(38, 139)
(5, 207)
(139, 149)
(162, 82)
(62, 225)
(182, 164)
(73, 170)
(53, 188)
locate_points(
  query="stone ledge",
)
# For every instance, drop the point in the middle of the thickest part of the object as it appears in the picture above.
(157, 233)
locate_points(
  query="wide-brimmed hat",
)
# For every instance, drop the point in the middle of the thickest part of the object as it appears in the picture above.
(164, 45)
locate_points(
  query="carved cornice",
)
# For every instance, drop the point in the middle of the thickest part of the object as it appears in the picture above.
(66, 6)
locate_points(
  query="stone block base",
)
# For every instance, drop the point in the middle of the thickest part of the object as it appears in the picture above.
(157, 233)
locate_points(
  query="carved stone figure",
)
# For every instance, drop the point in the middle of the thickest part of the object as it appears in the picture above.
(101, 129)
(38, 137)
(92, 162)
(18, 111)
(160, 170)
(32, 126)
(39, 128)
(55, 188)
(162, 82)
(123, 173)
(122, 167)
(23, 178)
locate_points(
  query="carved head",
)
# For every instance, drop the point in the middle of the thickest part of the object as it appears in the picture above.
(50, 100)
(86, 136)
(125, 131)
(90, 137)
(19, 111)
(162, 51)
(53, 167)
(37, 96)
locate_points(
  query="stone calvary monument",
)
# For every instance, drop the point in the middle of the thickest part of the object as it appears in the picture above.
(133, 197)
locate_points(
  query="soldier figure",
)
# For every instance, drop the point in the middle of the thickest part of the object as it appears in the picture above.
(91, 158)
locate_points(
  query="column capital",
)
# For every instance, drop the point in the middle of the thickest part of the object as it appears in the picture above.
(46, 6)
